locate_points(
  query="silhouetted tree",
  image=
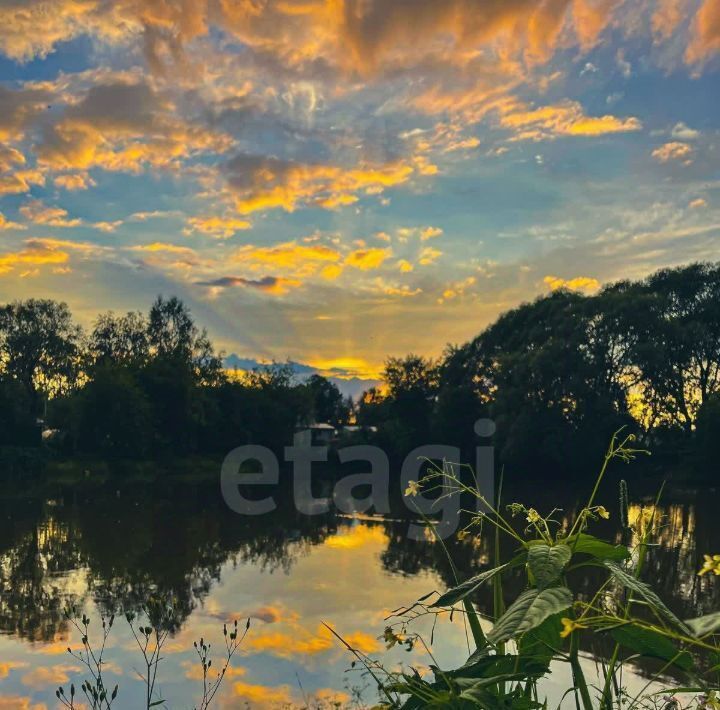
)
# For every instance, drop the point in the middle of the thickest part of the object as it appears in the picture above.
(39, 345)
(120, 340)
(672, 323)
(327, 401)
(113, 415)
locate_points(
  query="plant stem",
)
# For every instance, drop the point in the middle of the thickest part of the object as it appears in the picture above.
(578, 675)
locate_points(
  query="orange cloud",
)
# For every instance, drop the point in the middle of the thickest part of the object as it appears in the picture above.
(675, 150)
(8, 666)
(20, 181)
(428, 256)
(298, 259)
(697, 203)
(367, 259)
(457, 289)
(84, 248)
(565, 119)
(17, 702)
(331, 271)
(74, 181)
(260, 183)
(348, 37)
(124, 126)
(667, 16)
(37, 212)
(430, 233)
(31, 256)
(216, 226)
(7, 224)
(705, 37)
(262, 695)
(195, 671)
(590, 18)
(48, 675)
(584, 284)
(10, 157)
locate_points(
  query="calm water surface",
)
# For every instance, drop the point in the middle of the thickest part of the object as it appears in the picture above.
(108, 547)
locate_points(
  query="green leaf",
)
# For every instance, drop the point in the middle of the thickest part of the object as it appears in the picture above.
(703, 625)
(486, 666)
(541, 644)
(645, 591)
(590, 545)
(474, 621)
(651, 644)
(456, 594)
(546, 563)
(528, 611)
(480, 695)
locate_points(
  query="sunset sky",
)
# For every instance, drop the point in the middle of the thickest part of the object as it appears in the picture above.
(341, 180)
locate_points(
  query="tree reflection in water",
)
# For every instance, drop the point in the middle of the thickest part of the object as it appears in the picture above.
(117, 546)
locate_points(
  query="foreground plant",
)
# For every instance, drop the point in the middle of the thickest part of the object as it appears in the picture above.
(545, 623)
(150, 628)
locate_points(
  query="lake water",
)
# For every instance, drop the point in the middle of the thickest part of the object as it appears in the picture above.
(109, 546)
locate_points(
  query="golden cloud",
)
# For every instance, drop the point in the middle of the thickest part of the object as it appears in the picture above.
(263, 183)
(367, 259)
(86, 248)
(31, 256)
(17, 702)
(37, 212)
(584, 284)
(675, 150)
(10, 157)
(74, 181)
(457, 289)
(48, 675)
(298, 259)
(430, 233)
(349, 36)
(20, 181)
(299, 642)
(565, 119)
(195, 671)
(7, 224)
(124, 125)
(331, 271)
(7, 666)
(429, 255)
(261, 696)
(220, 227)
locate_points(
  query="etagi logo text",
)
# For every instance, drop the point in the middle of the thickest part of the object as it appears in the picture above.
(445, 510)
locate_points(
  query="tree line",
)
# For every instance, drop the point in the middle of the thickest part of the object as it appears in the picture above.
(139, 386)
(557, 375)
